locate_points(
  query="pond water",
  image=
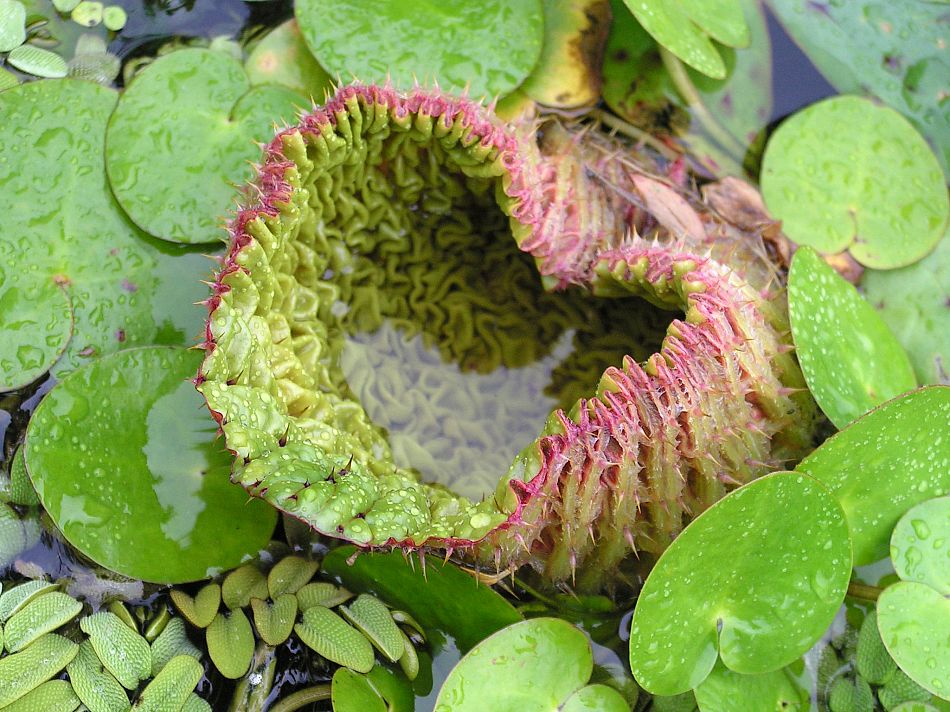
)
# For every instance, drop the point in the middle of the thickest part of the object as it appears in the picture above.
(445, 415)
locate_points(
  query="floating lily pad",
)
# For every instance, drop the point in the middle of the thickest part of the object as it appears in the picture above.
(12, 24)
(492, 45)
(725, 691)
(893, 49)
(706, 593)
(442, 598)
(913, 303)
(596, 698)
(231, 643)
(125, 288)
(155, 504)
(920, 544)
(851, 361)
(884, 463)
(282, 57)
(37, 324)
(176, 180)
(549, 658)
(353, 692)
(914, 621)
(874, 189)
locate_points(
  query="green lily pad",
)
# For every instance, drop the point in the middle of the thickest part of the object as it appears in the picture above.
(34, 665)
(725, 691)
(176, 180)
(114, 18)
(125, 288)
(326, 633)
(12, 24)
(874, 189)
(494, 44)
(895, 50)
(913, 303)
(442, 598)
(155, 503)
(914, 621)
(596, 698)
(884, 463)
(706, 594)
(231, 643)
(123, 652)
(37, 61)
(549, 658)
(920, 544)
(353, 692)
(850, 360)
(282, 57)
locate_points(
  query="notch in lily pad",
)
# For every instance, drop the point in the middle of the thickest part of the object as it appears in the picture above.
(848, 174)
(850, 359)
(755, 580)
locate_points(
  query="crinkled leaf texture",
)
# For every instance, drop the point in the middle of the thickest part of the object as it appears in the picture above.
(653, 445)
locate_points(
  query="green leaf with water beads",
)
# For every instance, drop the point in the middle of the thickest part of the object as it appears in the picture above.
(884, 463)
(914, 620)
(37, 61)
(282, 57)
(373, 619)
(851, 361)
(913, 303)
(12, 24)
(176, 181)
(243, 584)
(920, 544)
(114, 18)
(352, 692)
(494, 44)
(34, 665)
(326, 633)
(21, 487)
(321, 593)
(550, 658)
(201, 609)
(51, 696)
(725, 690)
(275, 620)
(152, 504)
(875, 189)
(15, 598)
(441, 597)
(123, 652)
(96, 687)
(30, 305)
(230, 643)
(41, 615)
(596, 698)
(705, 594)
(290, 574)
(170, 689)
(171, 642)
(125, 289)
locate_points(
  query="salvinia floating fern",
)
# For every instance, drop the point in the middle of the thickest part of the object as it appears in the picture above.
(383, 210)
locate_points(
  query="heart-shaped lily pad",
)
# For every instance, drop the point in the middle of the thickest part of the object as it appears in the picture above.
(914, 621)
(282, 57)
(125, 288)
(850, 359)
(550, 658)
(442, 598)
(201, 609)
(913, 303)
(155, 504)
(182, 137)
(725, 691)
(884, 463)
(920, 544)
(874, 189)
(488, 46)
(706, 593)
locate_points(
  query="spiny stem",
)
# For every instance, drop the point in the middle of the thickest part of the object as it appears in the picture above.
(302, 698)
(687, 90)
(864, 591)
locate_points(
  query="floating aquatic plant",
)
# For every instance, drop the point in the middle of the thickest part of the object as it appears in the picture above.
(377, 192)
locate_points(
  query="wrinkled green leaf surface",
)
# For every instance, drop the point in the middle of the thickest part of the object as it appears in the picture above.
(756, 578)
(874, 189)
(41, 615)
(35, 664)
(177, 179)
(96, 687)
(920, 544)
(884, 463)
(326, 633)
(153, 503)
(488, 46)
(850, 359)
(123, 652)
(443, 599)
